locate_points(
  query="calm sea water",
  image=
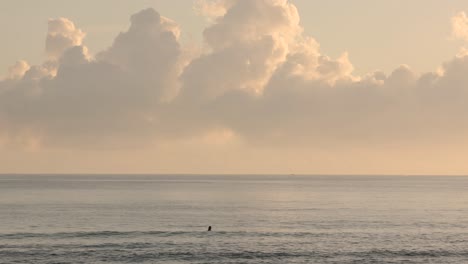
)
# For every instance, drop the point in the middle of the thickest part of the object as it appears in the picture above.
(255, 219)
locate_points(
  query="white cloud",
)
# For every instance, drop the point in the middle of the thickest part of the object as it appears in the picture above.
(108, 98)
(18, 70)
(259, 79)
(62, 34)
(245, 46)
(460, 26)
(212, 9)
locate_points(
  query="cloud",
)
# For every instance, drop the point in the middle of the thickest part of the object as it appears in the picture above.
(62, 34)
(150, 53)
(111, 97)
(245, 46)
(258, 80)
(460, 26)
(212, 9)
(18, 70)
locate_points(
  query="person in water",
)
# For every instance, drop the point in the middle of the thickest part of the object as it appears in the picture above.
(209, 228)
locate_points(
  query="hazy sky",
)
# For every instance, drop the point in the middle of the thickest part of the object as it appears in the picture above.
(233, 86)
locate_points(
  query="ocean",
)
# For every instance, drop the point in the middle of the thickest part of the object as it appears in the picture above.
(254, 219)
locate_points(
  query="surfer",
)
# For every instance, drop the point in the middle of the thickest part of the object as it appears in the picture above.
(209, 228)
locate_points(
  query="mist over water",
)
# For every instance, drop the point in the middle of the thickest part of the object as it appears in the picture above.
(255, 219)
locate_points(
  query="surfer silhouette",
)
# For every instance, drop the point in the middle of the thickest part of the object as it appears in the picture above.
(209, 228)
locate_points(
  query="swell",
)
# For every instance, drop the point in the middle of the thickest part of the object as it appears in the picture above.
(104, 234)
(83, 234)
(122, 254)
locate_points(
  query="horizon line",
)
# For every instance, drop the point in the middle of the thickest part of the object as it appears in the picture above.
(236, 174)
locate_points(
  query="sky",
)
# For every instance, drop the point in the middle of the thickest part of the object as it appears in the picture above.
(233, 86)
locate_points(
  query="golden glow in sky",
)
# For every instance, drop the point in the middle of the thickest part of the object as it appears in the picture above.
(230, 86)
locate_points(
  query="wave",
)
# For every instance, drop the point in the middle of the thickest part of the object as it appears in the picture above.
(121, 253)
(84, 234)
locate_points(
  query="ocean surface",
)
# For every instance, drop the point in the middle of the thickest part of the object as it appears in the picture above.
(255, 219)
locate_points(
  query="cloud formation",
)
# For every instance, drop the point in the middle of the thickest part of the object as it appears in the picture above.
(257, 79)
(73, 98)
(460, 26)
(62, 35)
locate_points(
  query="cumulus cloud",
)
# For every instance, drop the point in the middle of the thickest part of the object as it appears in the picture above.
(62, 34)
(110, 97)
(259, 79)
(149, 52)
(18, 70)
(460, 26)
(212, 9)
(245, 46)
